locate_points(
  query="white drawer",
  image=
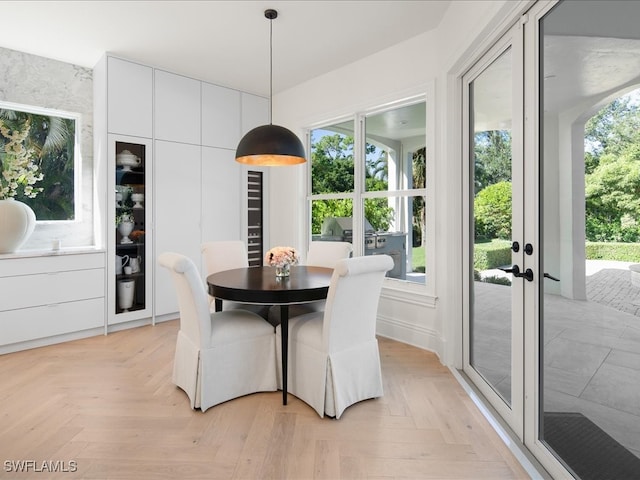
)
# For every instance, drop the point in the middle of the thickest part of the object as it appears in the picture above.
(49, 288)
(40, 322)
(62, 262)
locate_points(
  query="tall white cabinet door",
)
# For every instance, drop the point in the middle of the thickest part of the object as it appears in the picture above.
(129, 98)
(177, 108)
(255, 111)
(129, 295)
(221, 202)
(177, 213)
(220, 116)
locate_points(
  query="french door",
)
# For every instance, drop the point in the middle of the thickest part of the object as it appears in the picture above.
(556, 360)
(496, 238)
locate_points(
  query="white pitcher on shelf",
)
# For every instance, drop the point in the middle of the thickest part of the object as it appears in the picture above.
(135, 263)
(121, 262)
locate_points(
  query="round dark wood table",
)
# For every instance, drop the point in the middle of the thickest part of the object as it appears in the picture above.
(259, 285)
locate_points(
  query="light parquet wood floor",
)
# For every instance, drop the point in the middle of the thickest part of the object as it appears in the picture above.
(105, 408)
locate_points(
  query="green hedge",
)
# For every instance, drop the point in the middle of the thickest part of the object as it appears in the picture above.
(491, 254)
(495, 253)
(623, 252)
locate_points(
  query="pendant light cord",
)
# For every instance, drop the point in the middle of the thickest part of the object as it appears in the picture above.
(271, 70)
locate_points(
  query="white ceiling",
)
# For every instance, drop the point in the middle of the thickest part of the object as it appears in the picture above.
(223, 42)
(591, 53)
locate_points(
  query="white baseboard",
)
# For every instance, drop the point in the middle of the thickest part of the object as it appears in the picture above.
(410, 333)
(46, 341)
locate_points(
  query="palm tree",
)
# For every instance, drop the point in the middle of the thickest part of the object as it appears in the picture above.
(419, 181)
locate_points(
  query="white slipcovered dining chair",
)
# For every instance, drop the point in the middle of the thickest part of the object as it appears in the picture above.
(319, 254)
(227, 255)
(219, 356)
(334, 360)
(327, 254)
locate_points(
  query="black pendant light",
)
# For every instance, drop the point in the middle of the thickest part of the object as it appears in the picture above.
(270, 145)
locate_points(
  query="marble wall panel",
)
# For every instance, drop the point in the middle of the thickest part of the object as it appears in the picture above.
(42, 82)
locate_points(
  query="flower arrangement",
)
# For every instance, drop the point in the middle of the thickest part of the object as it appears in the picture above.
(281, 256)
(19, 170)
(124, 217)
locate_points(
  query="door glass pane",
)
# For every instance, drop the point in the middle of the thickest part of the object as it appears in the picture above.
(490, 322)
(131, 178)
(590, 300)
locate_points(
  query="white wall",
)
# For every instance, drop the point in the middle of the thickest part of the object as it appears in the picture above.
(405, 70)
(37, 81)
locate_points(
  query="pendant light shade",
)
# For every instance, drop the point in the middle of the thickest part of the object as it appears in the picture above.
(270, 145)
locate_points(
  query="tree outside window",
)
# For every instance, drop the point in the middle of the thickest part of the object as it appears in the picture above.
(38, 160)
(386, 175)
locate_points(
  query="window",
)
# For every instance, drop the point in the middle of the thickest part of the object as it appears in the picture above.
(39, 160)
(332, 182)
(368, 186)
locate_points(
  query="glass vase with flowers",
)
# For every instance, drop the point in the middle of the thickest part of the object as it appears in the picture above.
(282, 258)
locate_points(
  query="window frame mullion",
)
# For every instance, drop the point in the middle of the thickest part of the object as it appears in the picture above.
(358, 184)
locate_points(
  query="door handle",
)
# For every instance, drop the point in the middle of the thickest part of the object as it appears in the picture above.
(550, 277)
(515, 270)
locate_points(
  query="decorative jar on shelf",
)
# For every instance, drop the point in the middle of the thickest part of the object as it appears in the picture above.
(125, 225)
(125, 228)
(126, 294)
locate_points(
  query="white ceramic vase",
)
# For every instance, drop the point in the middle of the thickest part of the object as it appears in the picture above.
(125, 228)
(17, 222)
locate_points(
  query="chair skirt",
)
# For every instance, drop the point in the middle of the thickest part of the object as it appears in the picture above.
(238, 369)
(224, 372)
(328, 382)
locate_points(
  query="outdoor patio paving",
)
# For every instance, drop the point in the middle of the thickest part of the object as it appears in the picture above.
(591, 353)
(609, 283)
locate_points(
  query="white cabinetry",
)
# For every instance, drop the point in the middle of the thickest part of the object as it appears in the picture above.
(178, 203)
(177, 108)
(124, 105)
(129, 98)
(129, 197)
(197, 199)
(221, 197)
(47, 297)
(220, 116)
(196, 192)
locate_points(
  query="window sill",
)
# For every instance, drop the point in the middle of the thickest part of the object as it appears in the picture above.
(408, 292)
